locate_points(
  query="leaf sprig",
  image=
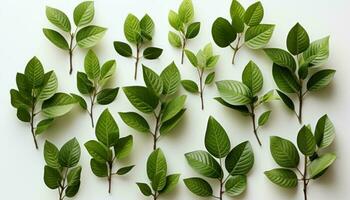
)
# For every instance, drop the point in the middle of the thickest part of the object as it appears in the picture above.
(156, 99)
(242, 96)
(238, 162)
(139, 33)
(61, 171)
(93, 82)
(36, 88)
(291, 69)
(310, 145)
(182, 22)
(204, 61)
(245, 24)
(108, 148)
(85, 35)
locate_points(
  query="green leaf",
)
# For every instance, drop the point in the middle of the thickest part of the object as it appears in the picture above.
(85, 86)
(43, 125)
(284, 152)
(69, 154)
(324, 132)
(73, 177)
(190, 86)
(254, 14)
(71, 191)
(191, 57)
(156, 164)
(242, 109)
(59, 104)
(174, 39)
(199, 186)
(135, 121)
(236, 185)
(49, 87)
(107, 71)
(147, 25)
(171, 79)
(240, 160)
(320, 164)
(159, 181)
(141, 98)
(107, 96)
(297, 40)
(256, 37)
(210, 78)
(98, 168)
(52, 177)
(92, 65)
(236, 9)
(269, 96)
(98, 151)
(132, 29)
(281, 57)
(264, 118)
(152, 80)
(282, 177)
(23, 85)
(124, 170)
(234, 92)
(203, 163)
(222, 32)
(89, 36)
(34, 72)
(284, 79)
(216, 139)
(81, 101)
(145, 189)
(237, 24)
(193, 30)
(152, 53)
(175, 20)
(318, 51)
(56, 38)
(286, 100)
(84, 13)
(58, 18)
(107, 130)
(212, 61)
(18, 100)
(186, 11)
(320, 79)
(171, 182)
(171, 123)
(23, 114)
(51, 154)
(122, 48)
(123, 147)
(252, 77)
(306, 141)
(173, 107)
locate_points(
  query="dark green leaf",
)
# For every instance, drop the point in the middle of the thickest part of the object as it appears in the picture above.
(152, 80)
(123, 147)
(51, 154)
(325, 132)
(199, 186)
(284, 79)
(107, 96)
(242, 109)
(56, 38)
(252, 77)
(222, 32)
(98, 168)
(135, 121)
(85, 86)
(156, 164)
(282, 177)
(216, 139)
(152, 53)
(141, 98)
(240, 160)
(43, 125)
(281, 57)
(124, 170)
(52, 177)
(80, 100)
(122, 48)
(107, 130)
(34, 72)
(69, 154)
(92, 65)
(254, 14)
(306, 141)
(210, 78)
(173, 107)
(284, 152)
(191, 57)
(98, 151)
(320, 79)
(145, 189)
(297, 40)
(171, 79)
(190, 86)
(193, 30)
(286, 100)
(171, 182)
(23, 114)
(171, 123)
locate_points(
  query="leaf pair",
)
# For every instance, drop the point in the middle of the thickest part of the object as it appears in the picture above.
(61, 171)
(309, 144)
(182, 22)
(256, 36)
(108, 148)
(203, 61)
(35, 87)
(161, 183)
(139, 33)
(159, 92)
(290, 72)
(238, 162)
(86, 35)
(92, 83)
(242, 96)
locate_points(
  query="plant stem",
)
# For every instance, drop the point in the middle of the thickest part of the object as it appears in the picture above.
(305, 180)
(184, 41)
(110, 165)
(137, 59)
(235, 50)
(201, 89)
(155, 196)
(32, 124)
(63, 185)
(300, 115)
(92, 98)
(156, 129)
(71, 48)
(252, 114)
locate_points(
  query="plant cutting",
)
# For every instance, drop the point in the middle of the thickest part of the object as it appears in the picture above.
(36, 95)
(93, 82)
(61, 171)
(84, 35)
(238, 163)
(243, 29)
(204, 61)
(243, 96)
(297, 71)
(108, 149)
(182, 22)
(157, 100)
(312, 146)
(139, 33)
(161, 183)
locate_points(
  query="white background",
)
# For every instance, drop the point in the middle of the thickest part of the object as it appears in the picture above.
(21, 36)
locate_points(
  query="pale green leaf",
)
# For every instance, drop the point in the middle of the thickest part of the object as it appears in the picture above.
(89, 36)
(203, 163)
(257, 37)
(84, 13)
(234, 92)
